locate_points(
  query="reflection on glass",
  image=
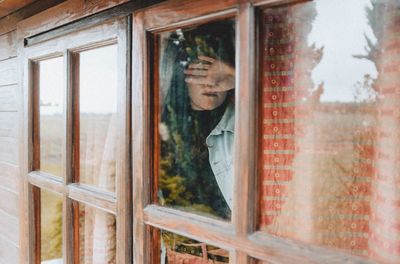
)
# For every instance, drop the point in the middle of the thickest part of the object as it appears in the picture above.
(51, 97)
(97, 240)
(196, 129)
(177, 249)
(51, 227)
(330, 124)
(98, 117)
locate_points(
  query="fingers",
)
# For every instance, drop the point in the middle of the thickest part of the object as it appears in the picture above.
(198, 80)
(199, 66)
(196, 72)
(205, 58)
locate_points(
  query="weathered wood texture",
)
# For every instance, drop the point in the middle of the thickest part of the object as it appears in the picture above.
(9, 176)
(7, 7)
(9, 228)
(179, 10)
(65, 12)
(8, 47)
(8, 251)
(9, 137)
(8, 98)
(9, 23)
(9, 202)
(9, 171)
(140, 159)
(8, 72)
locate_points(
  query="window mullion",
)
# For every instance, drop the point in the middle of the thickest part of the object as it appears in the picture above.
(140, 149)
(244, 165)
(124, 171)
(68, 211)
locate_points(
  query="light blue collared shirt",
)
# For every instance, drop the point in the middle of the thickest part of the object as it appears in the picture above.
(220, 149)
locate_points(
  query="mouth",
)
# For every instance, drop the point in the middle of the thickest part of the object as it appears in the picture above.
(210, 94)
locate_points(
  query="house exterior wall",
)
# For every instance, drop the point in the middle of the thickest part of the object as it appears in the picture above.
(9, 170)
(37, 16)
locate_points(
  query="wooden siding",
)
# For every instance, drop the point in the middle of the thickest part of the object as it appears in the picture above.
(9, 171)
(65, 12)
(7, 7)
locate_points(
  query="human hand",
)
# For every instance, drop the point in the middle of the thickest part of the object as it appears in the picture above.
(211, 74)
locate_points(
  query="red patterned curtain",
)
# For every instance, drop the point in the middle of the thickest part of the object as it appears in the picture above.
(330, 170)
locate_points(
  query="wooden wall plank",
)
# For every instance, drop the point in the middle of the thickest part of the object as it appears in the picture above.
(9, 150)
(9, 23)
(8, 72)
(8, 98)
(11, 6)
(8, 124)
(9, 202)
(8, 252)
(9, 176)
(9, 227)
(8, 45)
(69, 11)
(9, 137)
(177, 10)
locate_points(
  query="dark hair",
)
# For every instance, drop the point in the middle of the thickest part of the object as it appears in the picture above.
(185, 148)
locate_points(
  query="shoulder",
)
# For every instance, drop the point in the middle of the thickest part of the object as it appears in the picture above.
(227, 122)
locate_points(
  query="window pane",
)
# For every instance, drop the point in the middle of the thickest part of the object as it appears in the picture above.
(96, 235)
(51, 109)
(98, 117)
(330, 125)
(196, 74)
(51, 227)
(176, 249)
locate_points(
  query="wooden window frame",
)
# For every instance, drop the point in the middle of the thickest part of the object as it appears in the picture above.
(118, 203)
(240, 236)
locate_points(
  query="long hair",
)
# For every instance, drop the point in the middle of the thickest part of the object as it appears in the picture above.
(184, 157)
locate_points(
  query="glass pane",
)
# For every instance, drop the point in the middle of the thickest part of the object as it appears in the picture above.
(51, 227)
(96, 236)
(196, 118)
(51, 109)
(330, 124)
(98, 117)
(177, 249)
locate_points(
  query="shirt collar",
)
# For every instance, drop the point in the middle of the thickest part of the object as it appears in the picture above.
(227, 122)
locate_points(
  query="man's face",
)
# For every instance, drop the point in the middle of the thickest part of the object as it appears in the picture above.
(204, 100)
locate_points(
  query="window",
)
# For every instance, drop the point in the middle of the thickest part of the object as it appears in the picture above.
(309, 166)
(193, 142)
(78, 176)
(261, 131)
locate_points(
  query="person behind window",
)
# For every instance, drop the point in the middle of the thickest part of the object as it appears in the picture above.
(197, 121)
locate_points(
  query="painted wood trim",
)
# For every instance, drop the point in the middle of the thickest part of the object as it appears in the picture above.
(46, 181)
(70, 215)
(92, 196)
(269, 3)
(140, 138)
(257, 245)
(245, 137)
(73, 193)
(124, 170)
